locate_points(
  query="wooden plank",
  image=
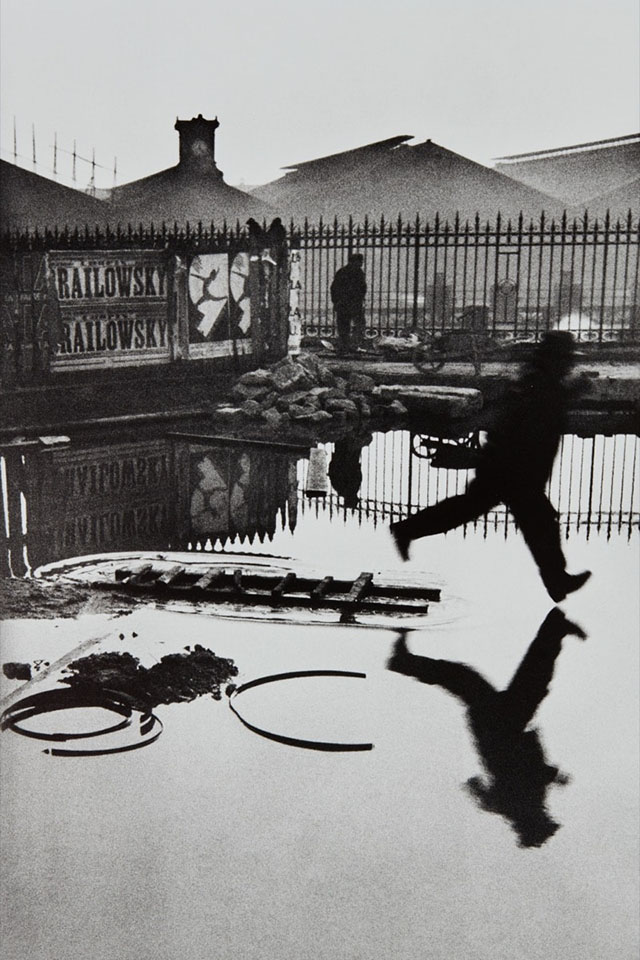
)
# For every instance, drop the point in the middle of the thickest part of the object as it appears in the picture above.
(360, 587)
(222, 441)
(171, 575)
(374, 604)
(133, 577)
(283, 585)
(320, 589)
(230, 594)
(208, 579)
(308, 585)
(237, 581)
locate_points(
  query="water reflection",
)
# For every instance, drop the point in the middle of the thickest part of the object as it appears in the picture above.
(345, 470)
(154, 495)
(594, 483)
(161, 494)
(518, 775)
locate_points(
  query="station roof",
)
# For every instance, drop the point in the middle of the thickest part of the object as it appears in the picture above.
(183, 195)
(392, 177)
(575, 174)
(30, 200)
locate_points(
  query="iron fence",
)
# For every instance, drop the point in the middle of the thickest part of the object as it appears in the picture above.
(514, 280)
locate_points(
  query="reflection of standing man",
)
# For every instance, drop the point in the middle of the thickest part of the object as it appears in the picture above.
(345, 471)
(347, 295)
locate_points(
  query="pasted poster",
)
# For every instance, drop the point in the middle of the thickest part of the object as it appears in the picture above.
(112, 308)
(219, 305)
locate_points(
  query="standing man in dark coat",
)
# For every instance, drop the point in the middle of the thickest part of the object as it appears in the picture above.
(347, 295)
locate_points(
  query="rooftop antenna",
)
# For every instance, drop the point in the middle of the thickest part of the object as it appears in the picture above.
(92, 181)
(73, 169)
(15, 142)
(33, 145)
(115, 170)
(55, 154)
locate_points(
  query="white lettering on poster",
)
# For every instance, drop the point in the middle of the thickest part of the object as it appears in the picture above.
(295, 319)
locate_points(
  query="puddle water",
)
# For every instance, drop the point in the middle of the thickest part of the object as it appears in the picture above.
(164, 494)
(498, 806)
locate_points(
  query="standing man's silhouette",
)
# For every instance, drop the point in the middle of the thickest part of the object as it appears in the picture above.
(345, 470)
(348, 291)
(512, 755)
(514, 466)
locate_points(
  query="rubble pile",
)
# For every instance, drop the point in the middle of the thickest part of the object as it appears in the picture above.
(305, 392)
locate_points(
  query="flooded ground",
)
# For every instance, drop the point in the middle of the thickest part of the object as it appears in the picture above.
(216, 841)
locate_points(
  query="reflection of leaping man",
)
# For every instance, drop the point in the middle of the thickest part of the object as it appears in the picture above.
(517, 772)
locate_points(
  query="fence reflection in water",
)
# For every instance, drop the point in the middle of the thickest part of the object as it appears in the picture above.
(595, 484)
(167, 495)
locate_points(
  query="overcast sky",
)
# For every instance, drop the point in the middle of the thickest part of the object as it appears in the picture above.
(291, 81)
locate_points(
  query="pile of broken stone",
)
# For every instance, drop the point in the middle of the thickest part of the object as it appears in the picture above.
(305, 392)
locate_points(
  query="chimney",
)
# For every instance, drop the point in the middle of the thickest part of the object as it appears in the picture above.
(197, 144)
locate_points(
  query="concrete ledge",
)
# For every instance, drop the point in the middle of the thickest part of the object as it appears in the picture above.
(609, 384)
(437, 400)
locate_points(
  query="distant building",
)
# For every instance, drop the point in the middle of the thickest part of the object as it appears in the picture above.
(617, 202)
(391, 178)
(29, 201)
(191, 191)
(582, 175)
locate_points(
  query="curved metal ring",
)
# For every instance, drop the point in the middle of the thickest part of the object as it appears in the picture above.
(52, 700)
(297, 741)
(68, 699)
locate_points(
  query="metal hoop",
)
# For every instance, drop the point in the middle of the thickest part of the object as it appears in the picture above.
(297, 741)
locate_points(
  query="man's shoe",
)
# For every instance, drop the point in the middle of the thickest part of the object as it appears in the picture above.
(577, 580)
(570, 584)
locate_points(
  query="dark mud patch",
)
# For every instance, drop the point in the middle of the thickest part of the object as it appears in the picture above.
(44, 599)
(17, 671)
(176, 678)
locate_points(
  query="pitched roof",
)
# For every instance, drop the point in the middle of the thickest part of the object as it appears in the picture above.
(30, 201)
(183, 194)
(575, 174)
(392, 177)
(358, 153)
(618, 202)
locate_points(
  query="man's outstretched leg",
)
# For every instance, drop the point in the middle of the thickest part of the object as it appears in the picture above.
(459, 679)
(446, 515)
(531, 681)
(540, 528)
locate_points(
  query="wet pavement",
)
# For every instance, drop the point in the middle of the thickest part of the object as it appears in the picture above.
(216, 841)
